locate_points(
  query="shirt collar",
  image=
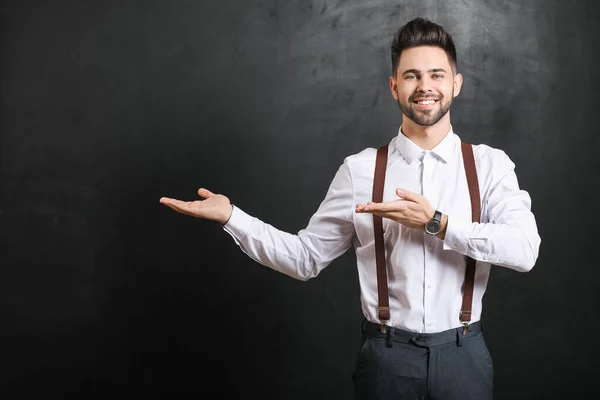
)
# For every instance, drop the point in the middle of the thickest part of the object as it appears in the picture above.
(409, 150)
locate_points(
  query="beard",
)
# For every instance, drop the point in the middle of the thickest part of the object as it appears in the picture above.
(425, 117)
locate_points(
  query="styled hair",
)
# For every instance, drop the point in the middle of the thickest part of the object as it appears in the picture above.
(422, 32)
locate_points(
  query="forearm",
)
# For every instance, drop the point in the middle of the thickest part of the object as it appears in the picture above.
(328, 235)
(511, 245)
(276, 249)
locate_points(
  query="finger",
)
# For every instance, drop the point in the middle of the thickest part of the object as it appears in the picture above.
(379, 213)
(385, 206)
(408, 195)
(205, 193)
(167, 200)
(169, 203)
(184, 208)
(175, 204)
(174, 208)
(376, 207)
(395, 205)
(364, 207)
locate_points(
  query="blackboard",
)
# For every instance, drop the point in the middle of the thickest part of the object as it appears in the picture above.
(107, 106)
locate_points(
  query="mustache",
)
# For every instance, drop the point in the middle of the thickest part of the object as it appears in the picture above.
(416, 97)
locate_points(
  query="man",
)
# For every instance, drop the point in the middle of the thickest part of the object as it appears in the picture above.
(430, 345)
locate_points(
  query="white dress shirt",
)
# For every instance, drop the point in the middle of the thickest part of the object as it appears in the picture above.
(425, 274)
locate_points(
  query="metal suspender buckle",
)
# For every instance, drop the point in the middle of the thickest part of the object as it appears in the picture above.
(383, 321)
(383, 326)
(465, 324)
(465, 328)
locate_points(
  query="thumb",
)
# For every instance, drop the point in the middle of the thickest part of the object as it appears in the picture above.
(408, 195)
(205, 193)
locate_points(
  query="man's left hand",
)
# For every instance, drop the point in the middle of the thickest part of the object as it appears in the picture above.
(412, 209)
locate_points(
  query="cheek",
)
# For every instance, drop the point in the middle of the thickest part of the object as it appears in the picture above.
(448, 89)
(404, 93)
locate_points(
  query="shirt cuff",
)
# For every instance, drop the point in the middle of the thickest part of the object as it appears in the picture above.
(457, 235)
(239, 223)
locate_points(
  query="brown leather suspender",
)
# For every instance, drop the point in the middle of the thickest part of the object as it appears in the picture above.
(382, 288)
(469, 161)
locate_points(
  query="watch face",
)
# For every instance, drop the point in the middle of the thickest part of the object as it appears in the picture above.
(433, 227)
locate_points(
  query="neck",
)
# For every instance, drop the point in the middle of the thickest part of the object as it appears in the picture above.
(426, 137)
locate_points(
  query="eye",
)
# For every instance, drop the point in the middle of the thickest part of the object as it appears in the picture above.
(438, 76)
(410, 77)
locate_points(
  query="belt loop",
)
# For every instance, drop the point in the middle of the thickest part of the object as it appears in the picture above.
(459, 337)
(390, 336)
(363, 326)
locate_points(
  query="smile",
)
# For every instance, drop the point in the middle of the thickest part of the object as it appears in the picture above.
(425, 103)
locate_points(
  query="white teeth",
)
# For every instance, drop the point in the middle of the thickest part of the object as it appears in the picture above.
(426, 102)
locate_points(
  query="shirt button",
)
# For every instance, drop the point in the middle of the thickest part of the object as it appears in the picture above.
(428, 286)
(430, 248)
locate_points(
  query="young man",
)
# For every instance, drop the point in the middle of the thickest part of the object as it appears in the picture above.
(423, 337)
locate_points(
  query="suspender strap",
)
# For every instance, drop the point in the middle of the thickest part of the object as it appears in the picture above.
(382, 288)
(469, 161)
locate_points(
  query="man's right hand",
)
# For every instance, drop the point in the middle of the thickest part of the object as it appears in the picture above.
(215, 207)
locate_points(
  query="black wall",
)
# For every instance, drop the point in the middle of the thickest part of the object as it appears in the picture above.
(108, 105)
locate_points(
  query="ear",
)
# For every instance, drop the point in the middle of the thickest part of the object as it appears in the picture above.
(458, 80)
(394, 87)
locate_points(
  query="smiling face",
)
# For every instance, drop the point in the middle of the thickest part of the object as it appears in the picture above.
(425, 84)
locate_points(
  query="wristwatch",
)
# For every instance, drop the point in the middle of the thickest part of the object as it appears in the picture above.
(434, 225)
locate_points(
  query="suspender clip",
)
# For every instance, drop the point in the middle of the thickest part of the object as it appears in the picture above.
(465, 328)
(383, 327)
(465, 324)
(383, 313)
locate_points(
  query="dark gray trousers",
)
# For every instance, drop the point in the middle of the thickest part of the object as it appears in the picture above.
(403, 365)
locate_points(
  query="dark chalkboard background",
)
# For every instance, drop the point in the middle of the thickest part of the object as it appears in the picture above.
(108, 105)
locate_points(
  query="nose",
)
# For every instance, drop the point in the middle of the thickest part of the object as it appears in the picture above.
(424, 84)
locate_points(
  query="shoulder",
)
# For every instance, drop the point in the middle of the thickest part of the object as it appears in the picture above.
(358, 160)
(492, 163)
(360, 165)
(488, 156)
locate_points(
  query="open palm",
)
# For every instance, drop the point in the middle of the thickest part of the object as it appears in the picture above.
(216, 207)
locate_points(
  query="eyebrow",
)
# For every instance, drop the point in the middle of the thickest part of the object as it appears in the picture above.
(418, 71)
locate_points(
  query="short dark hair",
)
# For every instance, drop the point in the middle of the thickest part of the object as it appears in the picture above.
(422, 32)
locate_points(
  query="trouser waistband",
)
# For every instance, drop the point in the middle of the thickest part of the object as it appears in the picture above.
(372, 329)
